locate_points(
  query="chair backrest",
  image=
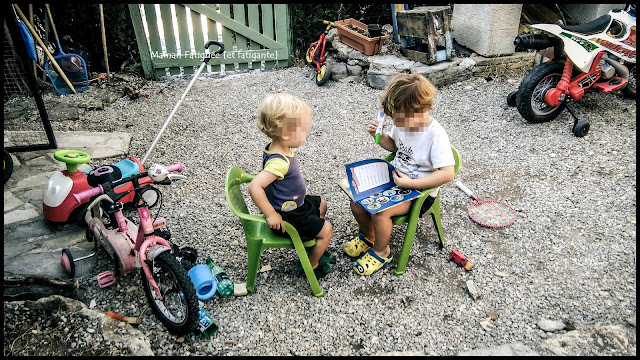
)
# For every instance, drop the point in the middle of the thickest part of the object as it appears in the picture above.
(456, 157)
(235, 199)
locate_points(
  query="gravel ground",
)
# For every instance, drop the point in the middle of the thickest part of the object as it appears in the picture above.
(570, 256)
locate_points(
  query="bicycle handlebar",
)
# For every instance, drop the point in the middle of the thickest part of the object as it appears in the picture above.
(98, 190)
(88, 194)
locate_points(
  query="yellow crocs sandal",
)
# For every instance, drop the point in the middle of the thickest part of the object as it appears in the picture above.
(370, 263)
(357, 246)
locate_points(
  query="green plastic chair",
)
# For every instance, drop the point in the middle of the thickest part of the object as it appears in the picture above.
(258, 234)
(414, 215)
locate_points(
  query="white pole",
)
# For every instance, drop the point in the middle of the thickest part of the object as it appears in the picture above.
(175, 108)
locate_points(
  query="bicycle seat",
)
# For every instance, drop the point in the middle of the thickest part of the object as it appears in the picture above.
(593, 27)
(117, 171)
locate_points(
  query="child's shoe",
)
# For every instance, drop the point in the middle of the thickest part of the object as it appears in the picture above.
(357, 246)
(370, 263)
(326, 257)
(323, 269)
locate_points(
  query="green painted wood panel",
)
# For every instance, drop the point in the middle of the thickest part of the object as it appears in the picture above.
(241, 40)
(183, 34)
(282, 30)
(227, 34)
(261, 31)
(212, 33)
(141, 39)
(169, 37)
(267, 28)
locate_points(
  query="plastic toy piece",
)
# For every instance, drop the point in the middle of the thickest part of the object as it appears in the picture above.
(128, 320)
(106, 278)
(380, 125)
(460, 259)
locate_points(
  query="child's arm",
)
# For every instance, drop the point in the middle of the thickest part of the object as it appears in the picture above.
(386, 142)
(441, 176)
(256, 190)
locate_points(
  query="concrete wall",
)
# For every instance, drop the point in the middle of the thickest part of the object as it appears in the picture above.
(582, 13)
(487, 29)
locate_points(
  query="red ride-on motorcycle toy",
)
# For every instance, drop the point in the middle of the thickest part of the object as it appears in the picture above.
(597, 56)
(59, 205)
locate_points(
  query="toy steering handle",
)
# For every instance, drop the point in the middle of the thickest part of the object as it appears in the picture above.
(88, 194)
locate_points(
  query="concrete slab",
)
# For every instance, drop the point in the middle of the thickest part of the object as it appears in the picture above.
(513, 349)
(99, 145)
(21, 215)
(66, 239)
(47, 264)
(26, 231)
(11, 202)
(34, 181)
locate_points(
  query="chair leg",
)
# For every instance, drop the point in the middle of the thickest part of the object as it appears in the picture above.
(254, 250)
(306, 265)
(435, 215)
(403, 259)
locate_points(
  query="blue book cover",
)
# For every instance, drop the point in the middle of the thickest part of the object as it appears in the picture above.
(369, 183)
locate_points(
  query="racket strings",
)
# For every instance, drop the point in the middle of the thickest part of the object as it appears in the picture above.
(492, 213)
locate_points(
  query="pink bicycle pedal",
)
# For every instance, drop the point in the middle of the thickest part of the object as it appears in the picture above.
(106, 278)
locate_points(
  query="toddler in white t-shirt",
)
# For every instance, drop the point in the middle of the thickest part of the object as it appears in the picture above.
(423, 160)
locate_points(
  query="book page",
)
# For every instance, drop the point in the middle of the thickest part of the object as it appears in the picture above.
(371, 175)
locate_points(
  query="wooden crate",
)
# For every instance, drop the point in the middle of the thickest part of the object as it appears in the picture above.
(428, 25)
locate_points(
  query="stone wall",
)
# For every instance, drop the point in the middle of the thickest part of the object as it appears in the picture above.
(348, 64)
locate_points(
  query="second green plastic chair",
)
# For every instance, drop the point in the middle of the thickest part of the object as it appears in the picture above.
(414, 215)
(258, 234)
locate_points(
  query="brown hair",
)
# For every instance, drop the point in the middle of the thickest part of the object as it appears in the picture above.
(276, 108)
(408, 92)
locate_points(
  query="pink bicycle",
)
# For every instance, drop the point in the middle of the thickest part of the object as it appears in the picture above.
(169, 290)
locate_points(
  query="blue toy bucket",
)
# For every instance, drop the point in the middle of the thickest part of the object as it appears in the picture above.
(203, 281)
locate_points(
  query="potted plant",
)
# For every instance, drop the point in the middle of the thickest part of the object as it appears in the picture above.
(355, 34)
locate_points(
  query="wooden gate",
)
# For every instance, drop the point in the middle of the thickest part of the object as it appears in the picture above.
(171, 37)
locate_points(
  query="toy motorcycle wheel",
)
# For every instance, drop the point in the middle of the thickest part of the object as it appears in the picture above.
(581, 129)
(67, 263)
(511, 98)
(7, 165)
(308, 58)
(535, 85)
(323, 75)
(630, 89)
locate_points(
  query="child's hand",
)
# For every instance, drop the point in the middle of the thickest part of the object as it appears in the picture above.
(275, 222)
(402, 180)
(373, 126)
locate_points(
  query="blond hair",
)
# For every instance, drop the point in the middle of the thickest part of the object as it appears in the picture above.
(408, 92)
(276, 108)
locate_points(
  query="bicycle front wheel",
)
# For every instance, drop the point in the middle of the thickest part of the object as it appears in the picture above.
(178, 309)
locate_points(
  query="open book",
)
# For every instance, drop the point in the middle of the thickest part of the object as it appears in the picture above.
(369, 183)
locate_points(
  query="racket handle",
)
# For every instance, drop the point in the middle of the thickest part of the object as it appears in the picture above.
(464, 188)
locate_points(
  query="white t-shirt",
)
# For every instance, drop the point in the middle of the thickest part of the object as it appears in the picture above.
(421, 153)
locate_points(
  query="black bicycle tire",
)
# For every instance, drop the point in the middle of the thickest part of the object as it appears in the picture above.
(627, 90)
(527, 87)
(7, 165)
(191, 320)
(327, 75)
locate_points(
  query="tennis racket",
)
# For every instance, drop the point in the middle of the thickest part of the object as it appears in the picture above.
(489, 213)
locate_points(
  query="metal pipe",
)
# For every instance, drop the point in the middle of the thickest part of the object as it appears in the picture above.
(175, 108)
(620, 69)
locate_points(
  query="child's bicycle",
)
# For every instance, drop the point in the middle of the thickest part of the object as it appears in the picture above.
(169, 290)
(316, 55)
